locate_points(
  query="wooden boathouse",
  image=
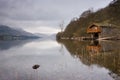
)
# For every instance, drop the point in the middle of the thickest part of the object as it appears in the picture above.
(97, 31)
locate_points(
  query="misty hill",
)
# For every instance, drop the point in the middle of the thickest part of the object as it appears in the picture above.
(10, 33)
(108, 15)
(41, 35)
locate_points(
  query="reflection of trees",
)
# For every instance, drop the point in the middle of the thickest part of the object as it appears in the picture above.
(105, 54)
(61, 49)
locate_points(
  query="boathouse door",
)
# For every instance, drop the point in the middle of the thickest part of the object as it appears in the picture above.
(96, 35)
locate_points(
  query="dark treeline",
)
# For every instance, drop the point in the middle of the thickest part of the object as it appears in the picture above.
(108, 15)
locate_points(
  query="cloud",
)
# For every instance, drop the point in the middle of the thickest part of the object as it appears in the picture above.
(25, 10)
(38, 13)
(42, 29)
(45, 9)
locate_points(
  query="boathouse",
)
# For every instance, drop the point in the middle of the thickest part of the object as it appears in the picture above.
(102, 31)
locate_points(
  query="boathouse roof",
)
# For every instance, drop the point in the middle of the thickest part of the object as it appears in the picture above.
(97, 27)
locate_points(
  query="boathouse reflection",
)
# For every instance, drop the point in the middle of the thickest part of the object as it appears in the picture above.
(104, 54)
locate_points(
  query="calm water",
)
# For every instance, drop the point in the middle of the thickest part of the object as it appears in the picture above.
(64, 60)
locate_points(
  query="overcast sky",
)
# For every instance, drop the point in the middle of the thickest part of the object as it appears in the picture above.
(44, 16)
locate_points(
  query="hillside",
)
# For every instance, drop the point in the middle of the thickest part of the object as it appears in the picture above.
(108, 15)
(11, 33)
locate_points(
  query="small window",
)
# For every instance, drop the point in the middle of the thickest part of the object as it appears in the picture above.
(95, 28)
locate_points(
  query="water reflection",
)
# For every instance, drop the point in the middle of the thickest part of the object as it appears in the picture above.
(104, 54)
(19, 57)
(47, 60)
(4, 45)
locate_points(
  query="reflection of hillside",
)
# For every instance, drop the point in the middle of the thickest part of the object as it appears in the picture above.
(4, 45)
(105, 54)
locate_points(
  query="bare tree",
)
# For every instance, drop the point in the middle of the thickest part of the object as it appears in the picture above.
(61, 25)
(61, 50)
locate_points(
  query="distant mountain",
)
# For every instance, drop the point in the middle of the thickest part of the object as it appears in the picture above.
(46, 36)
(41, 35)
(11, 33)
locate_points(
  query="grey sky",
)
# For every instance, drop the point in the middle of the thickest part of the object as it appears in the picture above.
(44, 15)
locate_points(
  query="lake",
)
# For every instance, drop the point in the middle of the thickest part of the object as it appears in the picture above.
(59, 60)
